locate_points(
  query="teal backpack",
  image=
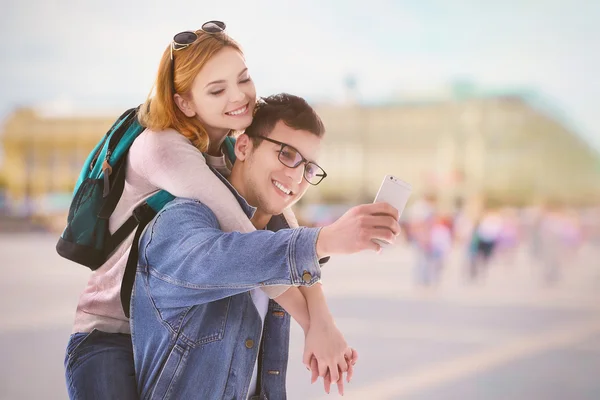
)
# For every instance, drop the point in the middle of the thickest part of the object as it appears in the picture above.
(86, 239)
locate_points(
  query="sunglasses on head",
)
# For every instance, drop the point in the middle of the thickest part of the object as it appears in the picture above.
(184, 39)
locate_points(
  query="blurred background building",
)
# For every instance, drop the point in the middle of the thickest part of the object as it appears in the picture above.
(43, 156)
(503, 147)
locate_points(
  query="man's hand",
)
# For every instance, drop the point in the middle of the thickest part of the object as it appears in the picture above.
(356, 229)
(326, 345)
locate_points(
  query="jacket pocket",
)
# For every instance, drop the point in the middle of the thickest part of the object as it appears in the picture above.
(170, 373)
(206, 323)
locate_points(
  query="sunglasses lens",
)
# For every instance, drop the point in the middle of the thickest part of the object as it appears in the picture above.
(213, 26)
(184, 39)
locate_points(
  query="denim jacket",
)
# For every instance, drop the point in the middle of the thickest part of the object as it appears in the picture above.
(194, 326)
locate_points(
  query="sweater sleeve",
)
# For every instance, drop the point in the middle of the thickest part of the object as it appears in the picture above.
(168, 161)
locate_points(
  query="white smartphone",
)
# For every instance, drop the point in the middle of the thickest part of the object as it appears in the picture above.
(395, 192)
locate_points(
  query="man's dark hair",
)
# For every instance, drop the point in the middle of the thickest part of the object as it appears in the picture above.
(294, 111)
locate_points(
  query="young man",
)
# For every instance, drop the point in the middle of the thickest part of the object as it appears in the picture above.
(199, 327)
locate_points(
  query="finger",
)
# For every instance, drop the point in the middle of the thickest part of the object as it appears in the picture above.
(348, 354)
(306, 358)
(383, 234)
(333, 371)
(343, 365)
(396, 228)
(385, 221)
(354, 357)
(327, 383)
(340, 384)
(384, 208)
(314, 367)
(322, 369)
(367, 244)
(350, 373)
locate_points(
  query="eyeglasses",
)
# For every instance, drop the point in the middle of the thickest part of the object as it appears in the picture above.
(291, 158)
(184, 39)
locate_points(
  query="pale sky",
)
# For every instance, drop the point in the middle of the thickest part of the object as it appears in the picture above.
(77, 54)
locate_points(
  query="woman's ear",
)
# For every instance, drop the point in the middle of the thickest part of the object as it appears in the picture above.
(184, 105)
(243, 147)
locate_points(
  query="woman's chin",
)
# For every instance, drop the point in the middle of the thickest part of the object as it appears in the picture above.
(241, 125)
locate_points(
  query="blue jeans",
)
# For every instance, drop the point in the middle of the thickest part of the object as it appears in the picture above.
(99, 365)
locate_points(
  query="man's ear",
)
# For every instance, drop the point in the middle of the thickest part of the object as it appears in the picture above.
(243, 147)
(184, 105)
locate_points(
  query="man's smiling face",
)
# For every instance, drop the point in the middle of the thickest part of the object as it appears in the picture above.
(268, 184)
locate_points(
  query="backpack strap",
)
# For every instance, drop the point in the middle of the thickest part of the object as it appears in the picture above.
(121, 234)
(142, 215)
(130, 118)
(112, 128)
(109, 205)
(116, 135)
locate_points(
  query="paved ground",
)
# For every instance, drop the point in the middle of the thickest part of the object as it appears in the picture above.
(507, 338)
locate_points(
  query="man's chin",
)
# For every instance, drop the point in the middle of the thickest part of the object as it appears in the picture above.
(276, 205)
(275, 209)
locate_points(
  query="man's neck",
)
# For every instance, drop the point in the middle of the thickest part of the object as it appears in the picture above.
(260, 218)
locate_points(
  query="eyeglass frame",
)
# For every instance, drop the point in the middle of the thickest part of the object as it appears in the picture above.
(176, 46)
(302, 161)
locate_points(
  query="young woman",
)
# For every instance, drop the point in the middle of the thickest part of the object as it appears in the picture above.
(203, 93)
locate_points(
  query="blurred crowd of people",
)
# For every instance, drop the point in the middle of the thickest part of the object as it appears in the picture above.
(550, 236)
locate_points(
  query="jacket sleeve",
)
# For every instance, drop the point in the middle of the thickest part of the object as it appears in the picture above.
(185, 249)
(168, 161)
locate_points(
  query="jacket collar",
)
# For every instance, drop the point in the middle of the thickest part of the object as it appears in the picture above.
(247, 208)
(285, 220)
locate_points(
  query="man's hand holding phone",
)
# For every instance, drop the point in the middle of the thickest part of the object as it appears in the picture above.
(357, 228)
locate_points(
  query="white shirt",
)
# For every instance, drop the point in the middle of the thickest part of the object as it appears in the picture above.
(261, 302)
